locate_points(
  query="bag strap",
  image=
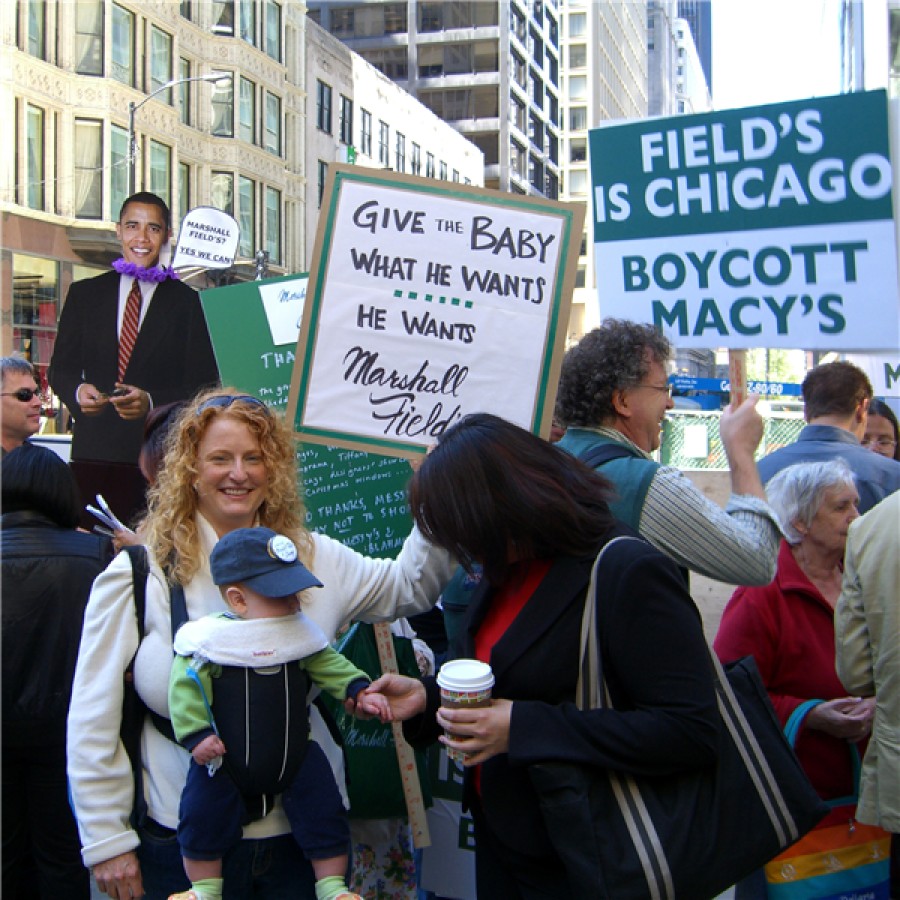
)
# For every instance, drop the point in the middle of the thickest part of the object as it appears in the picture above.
(792, 731)
(588, 694)
(601, 454)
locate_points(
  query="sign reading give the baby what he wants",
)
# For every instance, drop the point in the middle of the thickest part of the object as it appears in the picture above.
(428, 301)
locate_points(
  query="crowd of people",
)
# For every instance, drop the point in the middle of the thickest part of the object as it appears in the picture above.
(239, 790)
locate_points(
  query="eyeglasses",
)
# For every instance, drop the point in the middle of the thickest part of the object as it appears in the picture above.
(225, 400)
(666, 389)
(24, 395)
(883, 442)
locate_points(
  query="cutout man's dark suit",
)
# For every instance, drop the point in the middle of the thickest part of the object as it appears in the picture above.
(172, 360)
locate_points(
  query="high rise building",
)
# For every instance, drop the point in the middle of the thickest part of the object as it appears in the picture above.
(492, 70)
(698, 15)
(605, 78)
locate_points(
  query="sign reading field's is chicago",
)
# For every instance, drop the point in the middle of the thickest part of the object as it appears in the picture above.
(429, 300)
(766, 226)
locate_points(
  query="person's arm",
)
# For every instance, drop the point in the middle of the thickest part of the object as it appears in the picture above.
(99, 770)
(854, 660)
(737, 545)
(656, 663)
(361, 588)
(190, 719)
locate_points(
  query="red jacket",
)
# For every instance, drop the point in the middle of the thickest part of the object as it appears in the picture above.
(788, 627)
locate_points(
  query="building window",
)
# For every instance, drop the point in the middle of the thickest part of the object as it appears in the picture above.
(273, 124)
(577, 56)
(185, 9)
(577, 87)
(247, 111)
(322, 178)
(184, 91)
(429, 165)
(273, 224)
(184, 189)
(577, 183)
(247, 23)
(578, 118)
(122, 68)
(223, 108)
(246, 215)
(118, 179)
(443, 171)
(578, 150)
(160, 62)
(35, 309)
(161, 171)
(323, 107)
(400, 162)
(35, 43)
(431, 16)
(342, 22)
(456, 175)
(395, 20)
(223, 17)
(384, 137)
(415, 163)
(346, 120)
(366, 132)
(222, 191)
(89, 37)
(577, 25)
(35, 143)
(88, 169)
(273, 30)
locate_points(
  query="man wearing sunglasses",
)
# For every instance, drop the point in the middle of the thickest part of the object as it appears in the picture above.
(128, 340)
(21, 406)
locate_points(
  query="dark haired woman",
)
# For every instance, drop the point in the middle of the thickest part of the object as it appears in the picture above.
(535, 518)
(882, 433)
(47, 571)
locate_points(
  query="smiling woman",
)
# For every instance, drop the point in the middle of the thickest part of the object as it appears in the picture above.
(230, 463)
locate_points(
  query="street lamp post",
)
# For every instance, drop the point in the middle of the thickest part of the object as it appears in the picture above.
(134, 107)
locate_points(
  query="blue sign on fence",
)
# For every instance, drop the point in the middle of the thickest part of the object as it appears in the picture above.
(723, 386)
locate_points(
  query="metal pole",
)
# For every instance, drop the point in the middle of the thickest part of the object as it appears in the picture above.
(132, 149)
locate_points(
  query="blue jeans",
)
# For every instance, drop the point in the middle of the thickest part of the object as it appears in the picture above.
(269, 869)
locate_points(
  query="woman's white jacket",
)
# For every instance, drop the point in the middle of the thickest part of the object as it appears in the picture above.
(356, 588)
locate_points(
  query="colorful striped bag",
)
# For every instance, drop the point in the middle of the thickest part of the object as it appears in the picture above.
(842, 861)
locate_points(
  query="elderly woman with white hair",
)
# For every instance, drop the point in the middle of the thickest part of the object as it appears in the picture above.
(788, 625)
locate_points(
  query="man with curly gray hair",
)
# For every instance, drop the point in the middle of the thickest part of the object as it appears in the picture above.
(613, 397)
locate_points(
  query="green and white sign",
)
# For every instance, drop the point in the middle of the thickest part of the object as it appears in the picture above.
(766, 226)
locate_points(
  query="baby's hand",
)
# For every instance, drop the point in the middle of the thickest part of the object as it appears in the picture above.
(370, 704)
(208, 749)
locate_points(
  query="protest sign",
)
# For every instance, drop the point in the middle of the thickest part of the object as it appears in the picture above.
(883, 370)
(767, 226)
(356, 498)
(208, 237)
(427, 301)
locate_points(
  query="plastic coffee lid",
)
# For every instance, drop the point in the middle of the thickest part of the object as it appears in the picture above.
(465, 675)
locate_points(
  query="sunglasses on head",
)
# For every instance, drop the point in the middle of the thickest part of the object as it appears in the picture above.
(225, 400)
(24, 395)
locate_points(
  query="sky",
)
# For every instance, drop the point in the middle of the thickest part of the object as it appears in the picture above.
(769, 51)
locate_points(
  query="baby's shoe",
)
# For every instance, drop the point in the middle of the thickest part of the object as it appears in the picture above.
(186, 895)
(348, 895)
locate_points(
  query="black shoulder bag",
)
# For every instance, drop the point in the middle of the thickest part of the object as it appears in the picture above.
(684, 837)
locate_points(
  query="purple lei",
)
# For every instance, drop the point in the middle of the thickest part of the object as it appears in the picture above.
(154, 273)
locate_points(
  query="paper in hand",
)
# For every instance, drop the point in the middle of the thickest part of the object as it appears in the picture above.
(105, 514)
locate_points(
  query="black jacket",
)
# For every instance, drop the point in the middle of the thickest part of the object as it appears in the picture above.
(47, 574)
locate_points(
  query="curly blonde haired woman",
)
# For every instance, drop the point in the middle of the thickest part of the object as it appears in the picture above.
(230, 463)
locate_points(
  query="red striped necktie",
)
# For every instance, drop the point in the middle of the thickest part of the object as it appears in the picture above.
(130, 324)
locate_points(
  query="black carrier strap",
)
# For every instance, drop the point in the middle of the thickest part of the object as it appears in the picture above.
(604, 453)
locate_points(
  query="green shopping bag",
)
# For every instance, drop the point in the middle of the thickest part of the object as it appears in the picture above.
(373, 773)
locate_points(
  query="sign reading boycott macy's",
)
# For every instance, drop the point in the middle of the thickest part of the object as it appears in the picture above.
(765, 226)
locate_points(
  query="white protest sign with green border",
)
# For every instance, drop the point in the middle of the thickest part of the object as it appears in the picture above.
(770, 226)
(429, 300)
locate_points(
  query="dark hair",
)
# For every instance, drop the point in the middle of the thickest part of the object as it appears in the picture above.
(493, 493)
(834, 389)
(880, 408)
(151, 200)
(157, 425)
(608, 359)
(36, 479)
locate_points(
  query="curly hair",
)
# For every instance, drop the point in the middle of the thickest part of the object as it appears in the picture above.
(610, 358)
(170, 525)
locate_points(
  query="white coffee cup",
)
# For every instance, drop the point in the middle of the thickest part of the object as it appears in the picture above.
(464, 683)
